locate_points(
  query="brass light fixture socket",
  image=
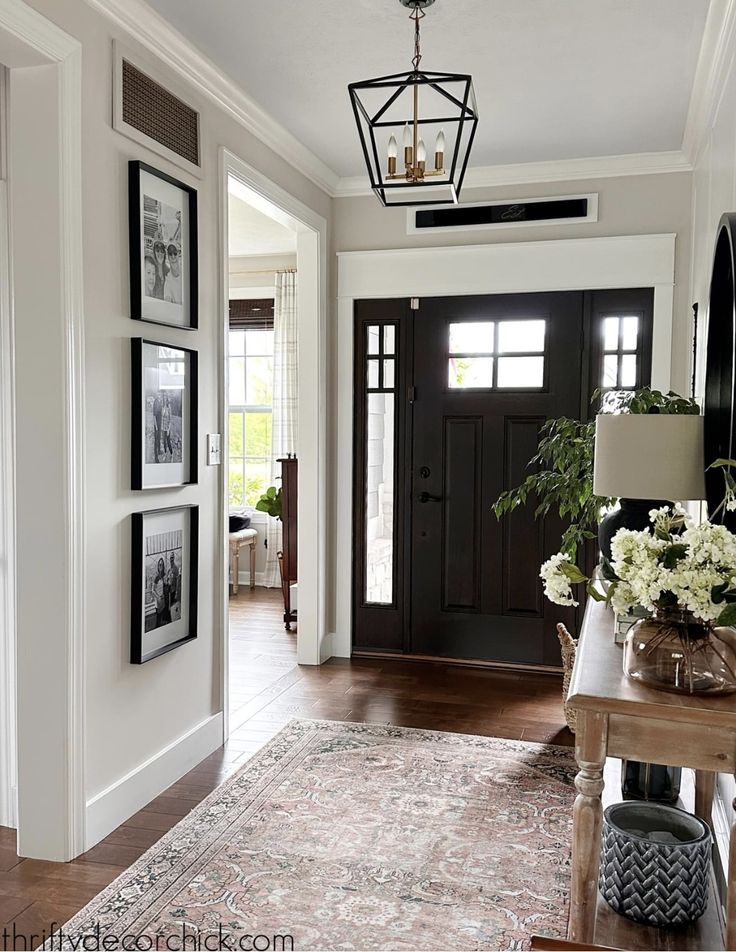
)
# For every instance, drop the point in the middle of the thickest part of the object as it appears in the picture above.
(392, 165)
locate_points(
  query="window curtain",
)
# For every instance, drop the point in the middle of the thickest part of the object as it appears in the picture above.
(285, 419)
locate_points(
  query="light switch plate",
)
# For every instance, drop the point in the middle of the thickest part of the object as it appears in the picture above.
(214, 449)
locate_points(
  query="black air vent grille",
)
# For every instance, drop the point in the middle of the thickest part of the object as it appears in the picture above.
(464, 216)
(157, 113)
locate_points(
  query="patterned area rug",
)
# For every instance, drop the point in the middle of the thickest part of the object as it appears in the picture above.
(356, 836)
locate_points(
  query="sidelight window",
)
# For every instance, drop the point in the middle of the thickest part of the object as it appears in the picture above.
(497, 355)
(620, 369)
(380, 462)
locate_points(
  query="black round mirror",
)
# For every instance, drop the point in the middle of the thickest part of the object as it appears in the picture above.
(720, 439)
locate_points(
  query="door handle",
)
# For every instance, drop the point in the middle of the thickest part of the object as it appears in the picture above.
(428, 497)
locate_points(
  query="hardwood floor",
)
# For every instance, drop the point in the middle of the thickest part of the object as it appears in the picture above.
(268, 689)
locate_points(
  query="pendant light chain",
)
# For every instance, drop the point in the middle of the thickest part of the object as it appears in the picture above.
(416, 16)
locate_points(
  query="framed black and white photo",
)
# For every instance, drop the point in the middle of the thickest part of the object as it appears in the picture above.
(163, 414)
(164, 581)
(163, 248)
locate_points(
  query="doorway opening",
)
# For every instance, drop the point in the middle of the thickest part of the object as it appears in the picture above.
(450, 397)
(262, 428)
(273, 444)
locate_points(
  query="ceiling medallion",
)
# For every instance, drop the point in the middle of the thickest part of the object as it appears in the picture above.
(416, 107)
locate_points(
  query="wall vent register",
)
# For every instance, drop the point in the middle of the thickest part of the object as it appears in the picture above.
(562, 209)
(157, 113)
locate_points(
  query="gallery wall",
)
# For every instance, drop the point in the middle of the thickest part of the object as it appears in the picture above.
(134, 714)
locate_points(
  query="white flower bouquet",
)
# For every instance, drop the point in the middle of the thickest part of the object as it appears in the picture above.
(675, 564)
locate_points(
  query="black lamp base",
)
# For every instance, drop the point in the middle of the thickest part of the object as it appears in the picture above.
(632, 514)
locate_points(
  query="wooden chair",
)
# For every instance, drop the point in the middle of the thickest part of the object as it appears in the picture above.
(568, 646)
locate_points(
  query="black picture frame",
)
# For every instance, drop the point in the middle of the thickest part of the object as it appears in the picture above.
(138, 479)
(140, 306)
(140, 652)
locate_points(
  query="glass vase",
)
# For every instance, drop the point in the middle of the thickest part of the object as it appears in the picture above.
(675, 651)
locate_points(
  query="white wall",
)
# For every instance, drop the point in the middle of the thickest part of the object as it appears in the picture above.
(134, 713)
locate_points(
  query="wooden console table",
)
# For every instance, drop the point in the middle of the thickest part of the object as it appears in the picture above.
(619, 718)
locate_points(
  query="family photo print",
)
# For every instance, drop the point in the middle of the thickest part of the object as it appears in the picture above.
(163, 248)
(164, 586)
(164, 415)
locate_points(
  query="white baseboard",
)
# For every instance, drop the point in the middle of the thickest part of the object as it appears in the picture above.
(113, 806)
(244, 577)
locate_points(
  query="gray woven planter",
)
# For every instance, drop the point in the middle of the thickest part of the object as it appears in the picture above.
(661, 883)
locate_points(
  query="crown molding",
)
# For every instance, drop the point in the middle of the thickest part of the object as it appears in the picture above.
(716, 51)
(157, 35)
(560, 170)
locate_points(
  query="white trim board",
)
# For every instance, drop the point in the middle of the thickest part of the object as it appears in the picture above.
(118, 802)
(571, 264)
(33, 40)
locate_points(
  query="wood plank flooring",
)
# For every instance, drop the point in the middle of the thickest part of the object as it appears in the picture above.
(268, 688)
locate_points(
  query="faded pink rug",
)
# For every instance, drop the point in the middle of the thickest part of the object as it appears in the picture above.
(357, 836)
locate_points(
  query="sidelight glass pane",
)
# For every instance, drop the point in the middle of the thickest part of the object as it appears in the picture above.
(610, 333)
(374, 338)
(521, 337)
(388, 374)
(389, 339)
(610, 371)
(379, 502)
(372, 374)
(628, 370)
(468, 372)
(472, 337)
(520, 372)
(631, 332)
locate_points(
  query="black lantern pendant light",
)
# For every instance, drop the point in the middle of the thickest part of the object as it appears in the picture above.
(416, 107)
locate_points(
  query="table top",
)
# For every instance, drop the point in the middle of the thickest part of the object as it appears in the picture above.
(598, 682)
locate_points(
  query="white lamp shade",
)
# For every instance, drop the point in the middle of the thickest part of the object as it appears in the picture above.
(649, 456)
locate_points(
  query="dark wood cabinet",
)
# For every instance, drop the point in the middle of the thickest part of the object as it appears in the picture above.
(287, 556)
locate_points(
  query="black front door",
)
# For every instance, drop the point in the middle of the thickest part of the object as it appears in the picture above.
(450, 397)
(488, 371)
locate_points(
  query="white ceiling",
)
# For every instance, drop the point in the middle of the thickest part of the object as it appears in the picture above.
(554, 79)
(250, 232)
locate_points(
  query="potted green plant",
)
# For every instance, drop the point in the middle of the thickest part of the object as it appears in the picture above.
(270, 502)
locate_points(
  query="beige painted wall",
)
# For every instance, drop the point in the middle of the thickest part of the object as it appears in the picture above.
(132, 712)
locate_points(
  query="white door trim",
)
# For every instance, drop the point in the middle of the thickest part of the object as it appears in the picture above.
(571, 264)
(313, 645)
(42, 41)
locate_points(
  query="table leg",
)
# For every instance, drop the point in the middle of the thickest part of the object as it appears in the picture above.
(590, 752)
(705, 783)
(731, 884)
(236, 569)
(252, 565)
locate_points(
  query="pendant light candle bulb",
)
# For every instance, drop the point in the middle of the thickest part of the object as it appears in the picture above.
(421, 151)
(408, 146)
(439, 151)
(393, 151)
